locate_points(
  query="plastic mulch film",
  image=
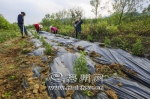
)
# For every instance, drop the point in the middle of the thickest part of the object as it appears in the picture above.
(29, 33)
(39, 52)
(61, 40)
(79, 95)
(87, 46)
(61, 51)
(141, 66)
(127, 89)
(36, 71)
(36, 42)
(53, 92)
(103, 60)
(64, 65)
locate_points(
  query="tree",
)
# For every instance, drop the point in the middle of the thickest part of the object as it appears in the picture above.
(125, 6)
(4, 24)
(76, 12)
(95, 4)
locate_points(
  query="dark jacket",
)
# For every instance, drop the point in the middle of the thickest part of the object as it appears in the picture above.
(78, 25)
(20, 19)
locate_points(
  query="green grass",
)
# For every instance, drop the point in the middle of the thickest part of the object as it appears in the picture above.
(7, 34)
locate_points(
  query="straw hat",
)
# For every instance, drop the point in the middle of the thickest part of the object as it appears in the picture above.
(40, 26)
(50, 27)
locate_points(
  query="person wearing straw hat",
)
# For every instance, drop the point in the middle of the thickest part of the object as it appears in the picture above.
(21, 24)
(53, 30)
(38, 27)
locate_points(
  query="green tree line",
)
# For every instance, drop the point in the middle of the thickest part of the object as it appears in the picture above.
(124, 27)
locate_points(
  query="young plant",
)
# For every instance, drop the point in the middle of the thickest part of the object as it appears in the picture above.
(1, 68)
(105, 76)
(43, 41)
(7, 94)
(12, 77)
(11, 67)
(48, 49)
(87, 92)
(80, 65)
(36, 36)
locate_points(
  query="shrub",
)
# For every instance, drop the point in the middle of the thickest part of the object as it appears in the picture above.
(117, 41)
(89, 38)
(101, 27)
(107, 41)
(137, 47)
(111, 30)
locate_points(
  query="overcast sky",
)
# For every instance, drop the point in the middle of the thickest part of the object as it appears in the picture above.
(36, 9)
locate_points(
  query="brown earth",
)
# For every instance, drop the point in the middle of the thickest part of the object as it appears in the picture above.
(16, 67)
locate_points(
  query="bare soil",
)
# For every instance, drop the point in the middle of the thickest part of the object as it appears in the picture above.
(16, 68)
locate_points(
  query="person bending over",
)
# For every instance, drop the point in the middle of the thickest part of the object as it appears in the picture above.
(53, 30)
(38, 27)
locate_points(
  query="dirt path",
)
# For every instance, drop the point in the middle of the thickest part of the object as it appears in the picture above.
(16, 68)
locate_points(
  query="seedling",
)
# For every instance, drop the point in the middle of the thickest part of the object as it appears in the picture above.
(7, 94)
(43, 83)
(43, 41)
(123, 64)
(1, 68)
(115, 74)
(88, 93)
(80, 65)
(48, 49)
(105, 76)
(12, 77)
(11, 67)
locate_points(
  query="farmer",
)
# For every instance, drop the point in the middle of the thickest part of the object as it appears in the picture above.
(53, 30)
(21, 24)
(75, 28)
(77, 25)
(38, 27)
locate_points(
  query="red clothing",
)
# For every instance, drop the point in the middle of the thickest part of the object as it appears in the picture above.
(36, 26)
(54, 30)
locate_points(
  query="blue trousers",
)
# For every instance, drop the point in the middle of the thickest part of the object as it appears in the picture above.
(21, 29)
